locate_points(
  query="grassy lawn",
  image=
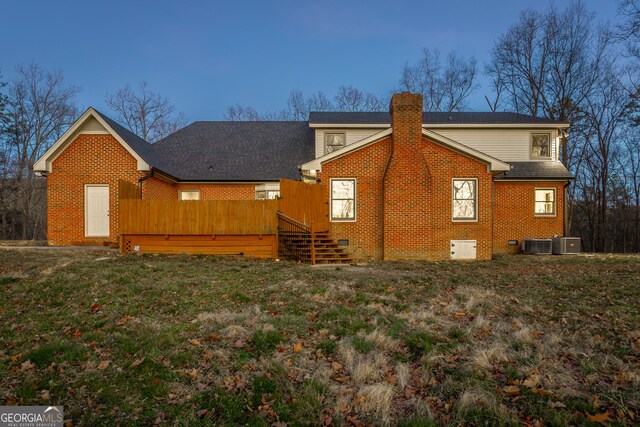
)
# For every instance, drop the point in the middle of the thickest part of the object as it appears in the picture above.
(178, 340)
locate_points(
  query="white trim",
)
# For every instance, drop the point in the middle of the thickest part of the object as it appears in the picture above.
(94, 132)
(549, 126)
(316, 164)
(43, 164)
(475, 200)
(447, 125)
(540, 158)
(86, 209)
(493, 163)
(188, 190)
(349, 125)
(355, 199)
(555, 203)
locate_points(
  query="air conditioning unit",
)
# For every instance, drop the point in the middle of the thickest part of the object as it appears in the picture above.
(566, 245)
(537, 246)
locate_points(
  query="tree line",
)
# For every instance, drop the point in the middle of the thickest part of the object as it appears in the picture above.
(558, 64)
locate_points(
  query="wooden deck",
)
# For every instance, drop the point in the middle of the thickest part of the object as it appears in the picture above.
(265, 246)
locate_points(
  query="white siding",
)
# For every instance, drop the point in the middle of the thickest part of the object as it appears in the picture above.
(504, 144)
(353, 135)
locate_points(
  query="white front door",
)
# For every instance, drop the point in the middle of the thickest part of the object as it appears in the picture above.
(96, 201)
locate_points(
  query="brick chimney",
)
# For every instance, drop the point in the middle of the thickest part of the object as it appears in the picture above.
(406, 183)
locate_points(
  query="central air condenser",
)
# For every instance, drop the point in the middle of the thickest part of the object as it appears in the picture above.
(537, 246)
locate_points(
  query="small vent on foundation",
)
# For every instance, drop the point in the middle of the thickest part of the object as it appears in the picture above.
(127, 247)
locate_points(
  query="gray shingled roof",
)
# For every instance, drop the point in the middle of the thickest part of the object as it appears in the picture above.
(236, 151)
(268, 151)
(429, 118)
(139, 145)
(535, 170)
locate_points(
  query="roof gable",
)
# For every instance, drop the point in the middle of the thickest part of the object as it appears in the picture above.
(93, 122)
(492, 163)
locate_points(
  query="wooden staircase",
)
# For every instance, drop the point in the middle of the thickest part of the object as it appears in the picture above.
(300, 242)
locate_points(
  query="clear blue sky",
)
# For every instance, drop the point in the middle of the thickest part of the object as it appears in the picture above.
(207, 55)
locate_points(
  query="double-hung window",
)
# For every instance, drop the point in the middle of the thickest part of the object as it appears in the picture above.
(343, 199)
(545, 202)
(334, 141)
(465, 199)
(541, 146)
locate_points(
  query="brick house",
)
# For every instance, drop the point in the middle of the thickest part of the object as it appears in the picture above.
(400, 185)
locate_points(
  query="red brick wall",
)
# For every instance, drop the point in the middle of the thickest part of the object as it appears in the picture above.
(157, 189)
(89, 159)
(427, 227)
(367, 165)
(416, 221)
(514, 214)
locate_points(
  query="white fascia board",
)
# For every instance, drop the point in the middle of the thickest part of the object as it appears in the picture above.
(495, 165)
(349, 125)
(316, 164)
(445, 125)
(496, 126)
(44, 163)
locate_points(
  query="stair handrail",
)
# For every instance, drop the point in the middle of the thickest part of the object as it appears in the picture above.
(293, 222)
(288, 228)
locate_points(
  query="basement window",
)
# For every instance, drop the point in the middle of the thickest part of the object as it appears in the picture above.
(545, 202)
(465, 199)
(541, 146)
(343, 199)
(334, 141)
(189, 195)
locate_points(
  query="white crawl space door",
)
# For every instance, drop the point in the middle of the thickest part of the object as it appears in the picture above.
(96, 198)
(463, 249)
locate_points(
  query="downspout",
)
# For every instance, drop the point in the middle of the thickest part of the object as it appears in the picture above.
(144, 178)
(493, 215)
(382, 190)
(565, 211)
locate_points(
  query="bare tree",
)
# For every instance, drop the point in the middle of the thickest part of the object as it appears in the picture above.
(41, 106)
(241, 113)
(297, 109)
(145, 113)
(547, 64)
(350, 98)
(629, 30)
(443, 87)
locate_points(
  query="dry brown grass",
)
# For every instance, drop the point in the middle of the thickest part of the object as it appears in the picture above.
(241, 342)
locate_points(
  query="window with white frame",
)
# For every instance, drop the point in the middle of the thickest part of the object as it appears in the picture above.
(334, 141)
(267, 194)
(465, 199)
(268, 191)
(545, 201)
(343, 199)
(189, 195)
(541, 146)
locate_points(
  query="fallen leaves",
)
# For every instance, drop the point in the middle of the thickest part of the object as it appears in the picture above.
(137, 362)
(297, 347)
(104, 364)
(512, 390)
(602, 418)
